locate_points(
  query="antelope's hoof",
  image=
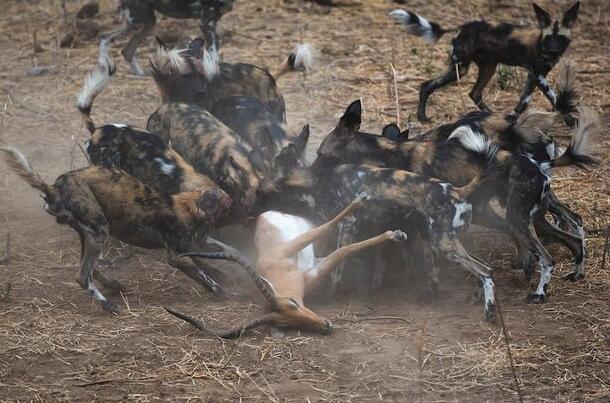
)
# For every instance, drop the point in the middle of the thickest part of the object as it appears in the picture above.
(534, 298)
(574, 276)
(398, 236)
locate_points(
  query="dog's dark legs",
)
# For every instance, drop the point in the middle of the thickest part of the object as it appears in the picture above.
(188, 267)
(572, 242)
(129, 51)
(486, 72)
(428, 87)
(526, 95)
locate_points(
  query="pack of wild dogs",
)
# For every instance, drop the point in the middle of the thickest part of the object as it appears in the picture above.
(217, 152)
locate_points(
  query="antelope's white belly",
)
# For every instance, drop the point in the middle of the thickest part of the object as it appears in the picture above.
(290, 227)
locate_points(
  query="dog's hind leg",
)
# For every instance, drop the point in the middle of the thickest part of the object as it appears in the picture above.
(486, 72)
(92, 245)
(428, 87)
(453, 250)
(186, 265)
(570, 241)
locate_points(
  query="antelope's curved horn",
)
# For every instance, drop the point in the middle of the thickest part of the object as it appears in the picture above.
(231, 333)
(263, 284)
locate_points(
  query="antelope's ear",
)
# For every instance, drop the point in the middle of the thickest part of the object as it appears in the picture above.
(352, 116)
(570, 16)
(391, 132)
(543, 18)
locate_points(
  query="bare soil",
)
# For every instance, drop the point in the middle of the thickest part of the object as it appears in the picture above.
(55, 344)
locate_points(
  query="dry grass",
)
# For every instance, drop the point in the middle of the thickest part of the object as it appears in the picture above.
(57, 345)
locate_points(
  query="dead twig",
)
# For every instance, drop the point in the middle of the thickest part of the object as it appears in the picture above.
(7, 291)
(7, 253)
(508, 350)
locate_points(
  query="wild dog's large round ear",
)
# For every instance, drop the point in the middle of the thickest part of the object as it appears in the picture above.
(543, 18)
(300, 142)
(195, 48)
(391, 132)
(569, 17)
(352, 116)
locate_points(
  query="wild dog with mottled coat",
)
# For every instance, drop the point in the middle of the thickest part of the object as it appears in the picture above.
(254, 123)
(99, 202)
(287, 269)
(139, 153)
(214, 150)
(140, 15)
(522, 187)
(535, 49)
(398, 197)
(196, 76)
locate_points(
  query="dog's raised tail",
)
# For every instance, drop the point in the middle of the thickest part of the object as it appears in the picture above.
(417, 25)
(95, 82)
(481, 145)
(581, 150)
(17, 163)
(300, 59)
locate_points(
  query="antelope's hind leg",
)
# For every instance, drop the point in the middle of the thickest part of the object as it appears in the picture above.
(327, 264)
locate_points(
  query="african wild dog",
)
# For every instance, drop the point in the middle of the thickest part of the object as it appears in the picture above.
(137, 152)
(535, 49)
(521, 186)
(398, 196)
(196, 76)
(212, 149)
(140, 15)
(287, 269)
(253, 122)
(203, 81)
(99, 202)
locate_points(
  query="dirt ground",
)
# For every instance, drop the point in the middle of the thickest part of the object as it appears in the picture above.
(55, 344)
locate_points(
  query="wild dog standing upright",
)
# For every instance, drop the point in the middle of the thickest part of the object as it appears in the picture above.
(140, 15)
(487, 45)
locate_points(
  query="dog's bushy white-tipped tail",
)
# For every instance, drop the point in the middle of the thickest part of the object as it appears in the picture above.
(532, 127)
(17, 162)
(567, 91)
(582, 147)
(301, 58)
(471, 139)
(95, 82)
(211, 63)
(417, 25)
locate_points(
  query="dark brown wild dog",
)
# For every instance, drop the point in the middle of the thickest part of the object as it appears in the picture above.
(287, 270)
(212, 149)
(98, 202)
(535, 49)
(140, 15)
(523, 186)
